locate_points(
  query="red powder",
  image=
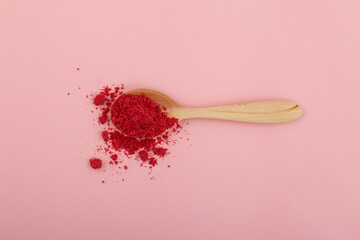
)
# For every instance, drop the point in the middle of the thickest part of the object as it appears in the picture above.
(105, 136)
(152, 161)
(130, 145)
(78, 69)
(104, 116)
(159, 151)
(141, 122)
(99, 99)
(138, 116)
(143, 155)
(95, 163)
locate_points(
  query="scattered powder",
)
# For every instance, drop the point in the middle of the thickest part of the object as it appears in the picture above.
(159, 151)
(105, 136)
(152, 161)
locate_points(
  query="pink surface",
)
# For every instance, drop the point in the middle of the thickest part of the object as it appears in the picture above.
(237, 181)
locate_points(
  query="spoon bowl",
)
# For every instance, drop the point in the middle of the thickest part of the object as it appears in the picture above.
(256, 112)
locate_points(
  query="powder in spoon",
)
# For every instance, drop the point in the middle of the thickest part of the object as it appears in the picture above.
(138, 116)
(142, 124)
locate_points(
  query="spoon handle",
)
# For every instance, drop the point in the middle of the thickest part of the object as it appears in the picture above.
(257, 112)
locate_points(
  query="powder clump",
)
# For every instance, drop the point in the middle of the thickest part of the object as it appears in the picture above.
(105, 135)
(143, 155)
(159, 151)
(99, 99)
(95, 163)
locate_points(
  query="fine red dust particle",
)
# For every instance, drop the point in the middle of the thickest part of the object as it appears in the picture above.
(168, 165)
(68, 93)
(125, 167)
(78, 69)
(79, 88)
(102, 181)
(99, 99)
(95, 163)
(114, 157)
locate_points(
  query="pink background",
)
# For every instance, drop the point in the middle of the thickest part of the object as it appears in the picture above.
(237, 181)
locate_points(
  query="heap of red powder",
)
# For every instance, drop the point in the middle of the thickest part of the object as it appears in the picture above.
(138, 116)
(139, 124)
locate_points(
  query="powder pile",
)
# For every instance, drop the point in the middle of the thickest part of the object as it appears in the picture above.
(136, 128)
(138, 116)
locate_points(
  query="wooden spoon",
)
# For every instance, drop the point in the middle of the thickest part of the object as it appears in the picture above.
(256, 112)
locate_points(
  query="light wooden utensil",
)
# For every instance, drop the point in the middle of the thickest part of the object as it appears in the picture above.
(256, 112)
